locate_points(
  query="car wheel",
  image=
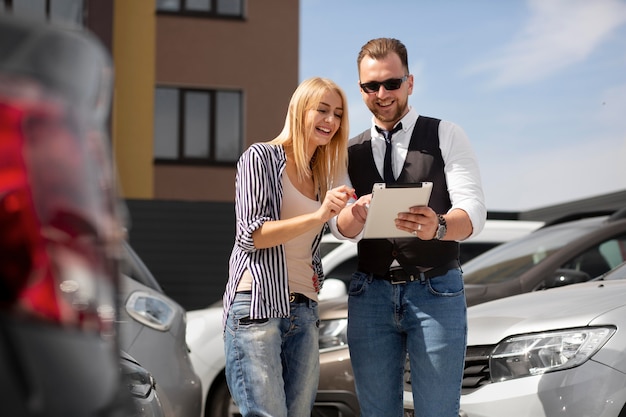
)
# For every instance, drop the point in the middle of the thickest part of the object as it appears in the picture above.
(220, 402)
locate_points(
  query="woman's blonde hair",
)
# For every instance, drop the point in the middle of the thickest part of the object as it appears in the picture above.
(329, 163)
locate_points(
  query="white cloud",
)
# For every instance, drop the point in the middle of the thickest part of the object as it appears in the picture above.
(546, 177)
(613, 103)
(557, 34)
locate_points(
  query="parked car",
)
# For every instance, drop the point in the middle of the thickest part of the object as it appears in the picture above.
(335, 396)
(573, 251)
(152, 329)
(146, 396)
(340, 256)
(553, 256)
(549, 353)
(58, 255)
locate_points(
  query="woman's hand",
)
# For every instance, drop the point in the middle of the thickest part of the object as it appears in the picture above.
(350, 222)
(334, 201)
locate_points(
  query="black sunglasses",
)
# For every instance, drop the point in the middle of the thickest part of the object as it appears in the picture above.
(390, 84)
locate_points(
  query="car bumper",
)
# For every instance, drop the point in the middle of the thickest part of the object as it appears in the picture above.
(592, 389)
(336, 396)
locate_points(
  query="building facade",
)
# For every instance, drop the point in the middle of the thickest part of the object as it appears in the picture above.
(196, 82)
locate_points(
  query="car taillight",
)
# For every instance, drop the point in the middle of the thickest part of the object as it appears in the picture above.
(22, 250)
(54, 259)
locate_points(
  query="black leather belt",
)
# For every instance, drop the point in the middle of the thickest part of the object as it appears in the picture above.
(296, 297)
(400, 276)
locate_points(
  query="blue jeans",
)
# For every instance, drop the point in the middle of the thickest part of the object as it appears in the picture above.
(425, 318)
(272, 365)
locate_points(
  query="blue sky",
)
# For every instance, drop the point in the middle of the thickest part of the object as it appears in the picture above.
(539, 86)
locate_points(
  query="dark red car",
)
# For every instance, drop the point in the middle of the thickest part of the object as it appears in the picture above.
(59, 228)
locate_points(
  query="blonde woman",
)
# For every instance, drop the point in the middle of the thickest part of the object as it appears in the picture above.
(286, 191)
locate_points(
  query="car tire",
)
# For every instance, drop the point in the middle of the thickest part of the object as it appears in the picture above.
(220, 403)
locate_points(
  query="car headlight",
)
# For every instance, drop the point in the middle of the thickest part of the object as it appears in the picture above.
(150, 310)
(536, 354)
(333, 334)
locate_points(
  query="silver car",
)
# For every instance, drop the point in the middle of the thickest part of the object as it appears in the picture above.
(549, 353)
(145, 394)
(152, 329)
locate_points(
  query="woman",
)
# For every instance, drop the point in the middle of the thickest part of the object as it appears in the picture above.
(283, 199)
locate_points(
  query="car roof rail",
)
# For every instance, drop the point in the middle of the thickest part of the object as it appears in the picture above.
(618, 215)
(578, 216)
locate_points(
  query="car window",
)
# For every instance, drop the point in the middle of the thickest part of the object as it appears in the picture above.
(510, 260)
(470, 250)
(614, 251)
(599, 259)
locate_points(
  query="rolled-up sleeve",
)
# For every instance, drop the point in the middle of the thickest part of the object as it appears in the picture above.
(462, 174)
(255, 195)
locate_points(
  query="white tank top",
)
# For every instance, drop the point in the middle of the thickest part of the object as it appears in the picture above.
(298, 250)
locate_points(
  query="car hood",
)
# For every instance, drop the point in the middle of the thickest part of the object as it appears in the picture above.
(572, 306)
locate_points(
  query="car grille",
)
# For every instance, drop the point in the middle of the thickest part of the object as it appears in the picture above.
(475, 373)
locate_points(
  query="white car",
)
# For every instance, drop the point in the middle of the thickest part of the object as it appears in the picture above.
(204, 338)
(206, 345)
(204, 327)
(560, 352)
(340, 262)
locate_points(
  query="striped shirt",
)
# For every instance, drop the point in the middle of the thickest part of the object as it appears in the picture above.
(258, 198)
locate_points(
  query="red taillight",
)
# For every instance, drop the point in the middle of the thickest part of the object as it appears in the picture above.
(53, 260)
(24, 264)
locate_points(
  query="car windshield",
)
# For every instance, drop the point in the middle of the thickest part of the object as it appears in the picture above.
(512, 259)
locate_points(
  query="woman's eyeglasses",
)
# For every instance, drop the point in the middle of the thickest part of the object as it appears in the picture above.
(390, 84)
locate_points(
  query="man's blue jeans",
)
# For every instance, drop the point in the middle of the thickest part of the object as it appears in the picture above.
(272, 365)
(425, 318)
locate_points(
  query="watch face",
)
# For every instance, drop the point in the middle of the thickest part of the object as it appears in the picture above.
(441, 231)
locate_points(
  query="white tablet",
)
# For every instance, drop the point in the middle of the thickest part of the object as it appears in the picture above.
(387, 202)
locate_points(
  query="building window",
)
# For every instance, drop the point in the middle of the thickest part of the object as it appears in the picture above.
(197, 126)
(58, 11)
(202, 8)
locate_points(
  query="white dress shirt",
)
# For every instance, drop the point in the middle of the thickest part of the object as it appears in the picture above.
(460, 167)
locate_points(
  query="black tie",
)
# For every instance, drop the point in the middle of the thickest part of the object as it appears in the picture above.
(387, 169)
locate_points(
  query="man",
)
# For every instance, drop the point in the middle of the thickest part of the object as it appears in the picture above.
(407, 295)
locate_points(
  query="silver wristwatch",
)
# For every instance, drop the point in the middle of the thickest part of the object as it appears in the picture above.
(441, 229)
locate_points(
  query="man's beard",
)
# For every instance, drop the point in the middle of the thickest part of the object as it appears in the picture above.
(401, 110)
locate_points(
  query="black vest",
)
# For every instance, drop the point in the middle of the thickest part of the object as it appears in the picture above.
(423, 163)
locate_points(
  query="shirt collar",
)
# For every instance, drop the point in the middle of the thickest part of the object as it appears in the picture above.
(408, 121)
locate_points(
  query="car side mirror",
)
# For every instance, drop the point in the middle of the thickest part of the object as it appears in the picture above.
(563, 277)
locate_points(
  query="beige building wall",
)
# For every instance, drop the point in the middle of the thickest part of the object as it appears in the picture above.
(133, 51)
(257, 55)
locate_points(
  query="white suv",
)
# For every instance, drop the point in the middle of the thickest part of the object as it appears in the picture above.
(339, 256)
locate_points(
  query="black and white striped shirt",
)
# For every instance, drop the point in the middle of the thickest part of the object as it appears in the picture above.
(258, 198)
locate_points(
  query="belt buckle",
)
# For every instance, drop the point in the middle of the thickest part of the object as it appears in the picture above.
(393, 279)
(292, 297)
